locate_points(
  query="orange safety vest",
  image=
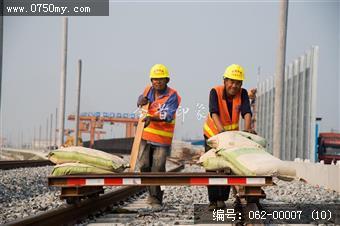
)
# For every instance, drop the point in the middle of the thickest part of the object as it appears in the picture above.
(210, 128)
(159, 132)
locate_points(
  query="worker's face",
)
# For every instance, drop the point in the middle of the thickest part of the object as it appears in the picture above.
(159, 83)
(232, 86)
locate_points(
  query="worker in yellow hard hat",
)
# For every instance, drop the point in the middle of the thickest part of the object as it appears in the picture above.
(226, 103)
(159, 126)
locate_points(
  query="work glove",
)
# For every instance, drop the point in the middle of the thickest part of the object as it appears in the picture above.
(142, 101)
(146, 121)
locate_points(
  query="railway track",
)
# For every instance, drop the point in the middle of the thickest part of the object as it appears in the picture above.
(177, 209)
(135, 208)
(182, 205)
(135, 211)
(13, 164)
(70, 214)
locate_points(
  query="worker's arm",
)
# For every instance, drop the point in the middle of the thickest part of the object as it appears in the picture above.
(214, 111)
(246, 112)
(247, 121)
(247, 124)
(148, 119)
(217, 122)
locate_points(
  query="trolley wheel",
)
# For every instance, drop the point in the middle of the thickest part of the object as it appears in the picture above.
(93, 196)
(72, 200)
(252, 200)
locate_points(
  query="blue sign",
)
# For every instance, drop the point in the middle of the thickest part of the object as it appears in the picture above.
(109, 114)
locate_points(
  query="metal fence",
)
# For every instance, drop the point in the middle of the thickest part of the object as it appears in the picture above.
(299, 108)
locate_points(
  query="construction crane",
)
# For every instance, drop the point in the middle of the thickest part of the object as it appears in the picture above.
(95, 122)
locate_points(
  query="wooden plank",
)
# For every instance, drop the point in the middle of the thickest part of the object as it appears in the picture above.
(138, 138)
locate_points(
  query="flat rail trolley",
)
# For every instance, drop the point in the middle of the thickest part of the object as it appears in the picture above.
(76, 187)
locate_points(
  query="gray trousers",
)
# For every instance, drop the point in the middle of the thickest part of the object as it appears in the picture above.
(152, 158)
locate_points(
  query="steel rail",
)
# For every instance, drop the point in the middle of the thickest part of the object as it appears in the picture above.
(68, 214)
(13, 164)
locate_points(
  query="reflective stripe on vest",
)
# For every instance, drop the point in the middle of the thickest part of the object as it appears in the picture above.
(159, 131)
(228, 124)
(231, 127)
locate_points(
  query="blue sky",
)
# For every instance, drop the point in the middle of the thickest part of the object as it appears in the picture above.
(196, 40)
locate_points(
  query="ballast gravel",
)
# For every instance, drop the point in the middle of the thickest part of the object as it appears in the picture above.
(24, 192)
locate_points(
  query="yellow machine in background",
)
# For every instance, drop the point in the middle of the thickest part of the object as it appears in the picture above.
(70, 140)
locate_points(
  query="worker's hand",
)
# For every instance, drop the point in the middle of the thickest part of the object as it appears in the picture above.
(222, 131)
(142, 101)
(250, 131)
(146, 121)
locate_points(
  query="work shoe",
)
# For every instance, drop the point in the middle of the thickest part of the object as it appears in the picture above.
(152, 199)
(154, 202)
(220, 204)
(156, 205)
(212, 206)
(149, 200)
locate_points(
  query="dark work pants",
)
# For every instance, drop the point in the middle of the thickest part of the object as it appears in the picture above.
(216, 192)
(152, 158)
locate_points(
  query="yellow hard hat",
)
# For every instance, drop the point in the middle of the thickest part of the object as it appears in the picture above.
(159, 71)
(235, 72)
